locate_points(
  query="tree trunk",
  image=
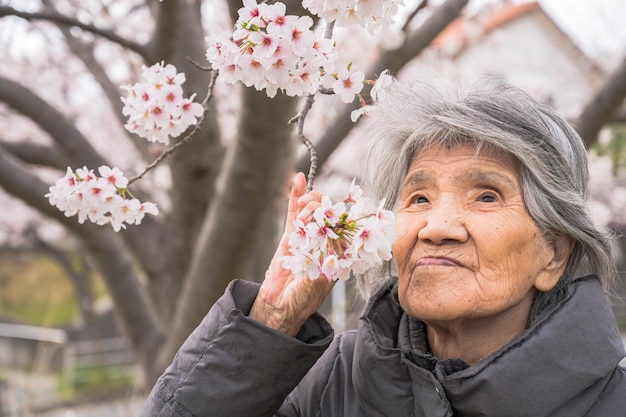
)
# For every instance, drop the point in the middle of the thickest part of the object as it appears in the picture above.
(254, 174)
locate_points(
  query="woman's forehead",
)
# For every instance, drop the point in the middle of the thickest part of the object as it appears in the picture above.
(478, 149)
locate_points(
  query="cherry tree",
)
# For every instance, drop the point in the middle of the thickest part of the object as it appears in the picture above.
(220, 196)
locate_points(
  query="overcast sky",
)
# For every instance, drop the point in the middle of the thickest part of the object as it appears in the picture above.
(598, 25)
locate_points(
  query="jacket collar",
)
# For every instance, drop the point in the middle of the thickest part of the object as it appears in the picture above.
(557, 367)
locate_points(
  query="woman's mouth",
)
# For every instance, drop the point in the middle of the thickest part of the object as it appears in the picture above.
(437, 261)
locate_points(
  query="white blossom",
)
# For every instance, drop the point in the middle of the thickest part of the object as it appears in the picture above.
(98, 199)
(156, 108)
(352, 234)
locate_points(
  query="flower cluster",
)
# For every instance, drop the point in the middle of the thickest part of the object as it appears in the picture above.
(99, 199)
(156, 108)
(271, 50)
(353, 234)
(370, 14)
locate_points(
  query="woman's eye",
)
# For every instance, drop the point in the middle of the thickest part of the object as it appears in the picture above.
(488, 198)
(419, 199)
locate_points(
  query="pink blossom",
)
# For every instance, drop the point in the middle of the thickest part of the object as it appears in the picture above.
(359, 238)
(348, 84)
(156, 108)
(272, 51)
(369, 14)
(98, 199)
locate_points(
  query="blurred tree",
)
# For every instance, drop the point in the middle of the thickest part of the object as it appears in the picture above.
(226, 196)
(614, 147)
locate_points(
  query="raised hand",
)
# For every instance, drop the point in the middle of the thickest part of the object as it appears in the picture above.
(285, 302)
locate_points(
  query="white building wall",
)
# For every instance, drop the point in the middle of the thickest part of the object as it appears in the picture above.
(528, 52)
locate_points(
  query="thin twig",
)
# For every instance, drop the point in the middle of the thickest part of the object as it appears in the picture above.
(187, 138)
(198, 65)
(300, 118)
(328, 32)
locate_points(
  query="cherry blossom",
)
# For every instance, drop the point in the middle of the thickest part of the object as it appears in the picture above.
(99, 199)
(348, 83)
(380, 85)
(156, 108)
(371, 14)
(271, 51)
(352, 234)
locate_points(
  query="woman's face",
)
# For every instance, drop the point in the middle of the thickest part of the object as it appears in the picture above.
(466, 248)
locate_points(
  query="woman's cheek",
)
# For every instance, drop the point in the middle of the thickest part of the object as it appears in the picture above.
(405, 240)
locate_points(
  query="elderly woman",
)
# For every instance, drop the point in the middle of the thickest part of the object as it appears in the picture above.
(499, 307)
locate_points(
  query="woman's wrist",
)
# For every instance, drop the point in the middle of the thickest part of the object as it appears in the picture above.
(273, 318)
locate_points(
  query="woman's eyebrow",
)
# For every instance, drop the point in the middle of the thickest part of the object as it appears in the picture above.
(493, 178)
(416, 178)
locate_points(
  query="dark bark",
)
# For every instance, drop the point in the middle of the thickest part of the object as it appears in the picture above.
(602, 107)
(34, 154)
(253, 175)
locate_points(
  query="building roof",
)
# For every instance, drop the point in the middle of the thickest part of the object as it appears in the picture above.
(457, 30)
(461, 31)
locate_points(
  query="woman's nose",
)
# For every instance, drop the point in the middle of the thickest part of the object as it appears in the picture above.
(443, 223)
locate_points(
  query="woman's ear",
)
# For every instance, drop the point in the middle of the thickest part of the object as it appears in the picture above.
(561, 247)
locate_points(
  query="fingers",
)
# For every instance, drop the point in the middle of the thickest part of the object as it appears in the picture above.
(301, 206)
(284, 302)
(298, 186)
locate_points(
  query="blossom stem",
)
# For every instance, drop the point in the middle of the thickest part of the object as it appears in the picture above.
(187, 138)
(300, 118)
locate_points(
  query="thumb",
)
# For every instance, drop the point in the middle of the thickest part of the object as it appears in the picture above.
(298, 186)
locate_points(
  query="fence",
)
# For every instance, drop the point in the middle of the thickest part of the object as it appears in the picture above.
(98, 361)
(32, 359)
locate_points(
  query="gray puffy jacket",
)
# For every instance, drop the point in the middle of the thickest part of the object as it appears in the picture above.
(565, 364)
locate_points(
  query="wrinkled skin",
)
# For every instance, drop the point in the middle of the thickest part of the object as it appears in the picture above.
(470, 258)
(284, 302)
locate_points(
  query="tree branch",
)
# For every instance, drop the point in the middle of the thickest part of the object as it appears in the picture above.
(64, 133)
(602, 106)
(300, 118)
(422, 5)
(393, 61)
(186, 138)
(35, 154)
(60, 19)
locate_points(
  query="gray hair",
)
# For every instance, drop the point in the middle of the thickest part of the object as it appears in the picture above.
(490, 113)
